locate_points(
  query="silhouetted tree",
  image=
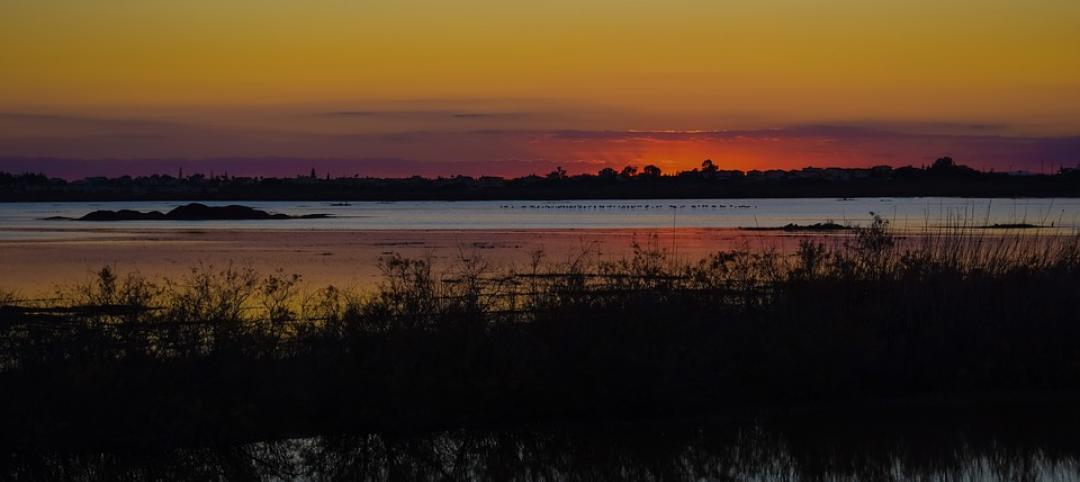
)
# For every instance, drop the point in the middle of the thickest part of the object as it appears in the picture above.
(708, 169)
(558, 173)
(943, 164)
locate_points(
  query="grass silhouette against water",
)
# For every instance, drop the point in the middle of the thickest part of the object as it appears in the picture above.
(225, 356)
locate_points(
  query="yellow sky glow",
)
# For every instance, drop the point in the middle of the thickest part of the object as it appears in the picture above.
(797, 60)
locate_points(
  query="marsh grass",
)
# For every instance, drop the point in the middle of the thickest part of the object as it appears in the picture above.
(229, 354)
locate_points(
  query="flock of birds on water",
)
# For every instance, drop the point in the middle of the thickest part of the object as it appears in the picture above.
(624, 206)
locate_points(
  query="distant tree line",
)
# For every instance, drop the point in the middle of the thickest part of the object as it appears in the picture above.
(944, 177)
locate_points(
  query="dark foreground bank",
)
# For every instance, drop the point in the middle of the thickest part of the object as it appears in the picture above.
(228, 358)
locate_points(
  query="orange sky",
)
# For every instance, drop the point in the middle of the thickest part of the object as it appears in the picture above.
(340, 78)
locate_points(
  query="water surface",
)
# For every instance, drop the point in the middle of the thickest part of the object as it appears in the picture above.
(993, 445)
(18, 219)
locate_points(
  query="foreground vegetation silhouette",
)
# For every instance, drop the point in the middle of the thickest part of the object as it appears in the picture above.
(226, 357)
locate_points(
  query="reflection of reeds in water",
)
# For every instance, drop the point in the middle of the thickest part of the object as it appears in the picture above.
(229, 356)
(960, 446)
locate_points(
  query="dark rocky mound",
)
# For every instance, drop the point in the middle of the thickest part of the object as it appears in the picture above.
(193, 212)
(1012, 226)
(123, 215)
(816, 227)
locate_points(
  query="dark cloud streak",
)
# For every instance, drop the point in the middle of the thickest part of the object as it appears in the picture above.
(444, 114)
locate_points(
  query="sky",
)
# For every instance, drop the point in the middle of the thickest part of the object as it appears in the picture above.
(492, 87)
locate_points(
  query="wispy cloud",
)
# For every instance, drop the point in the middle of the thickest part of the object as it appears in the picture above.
(350, 113)
(430, 114)
(491, 134)
(490, 115)
(59, 120)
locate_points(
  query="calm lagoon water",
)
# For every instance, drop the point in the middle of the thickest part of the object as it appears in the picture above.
(25, 220)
